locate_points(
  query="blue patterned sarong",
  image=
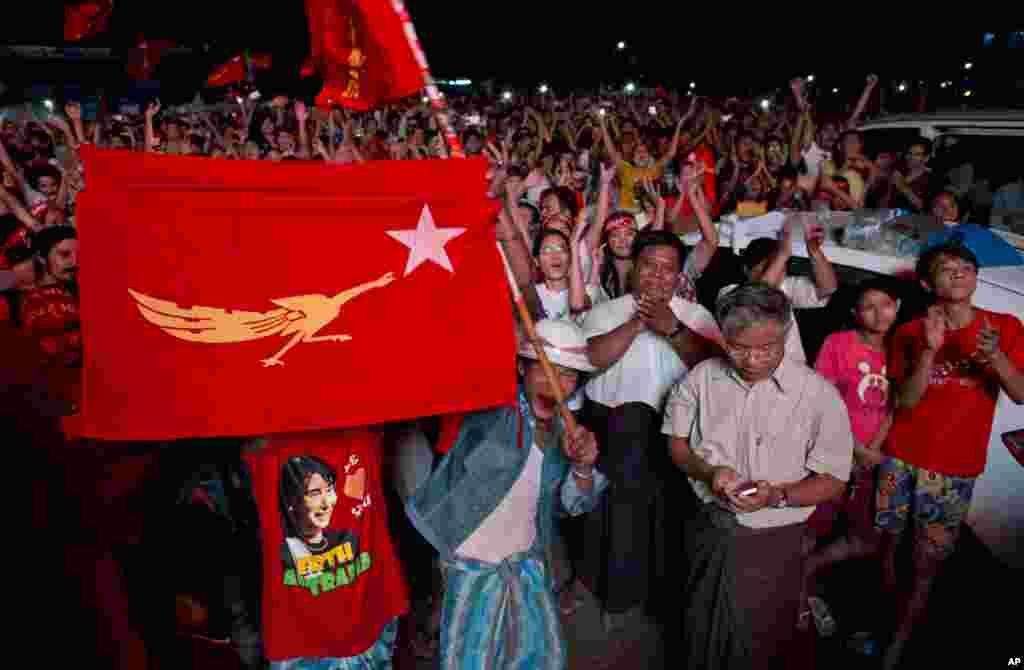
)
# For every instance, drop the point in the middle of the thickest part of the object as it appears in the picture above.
(500, 616)
(377, 657)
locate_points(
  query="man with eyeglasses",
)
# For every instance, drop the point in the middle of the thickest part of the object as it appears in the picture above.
(641, 343)
(763, 439)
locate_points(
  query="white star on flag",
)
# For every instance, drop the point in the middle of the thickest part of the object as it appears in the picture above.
(426, 243)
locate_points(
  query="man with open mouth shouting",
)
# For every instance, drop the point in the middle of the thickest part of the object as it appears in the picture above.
(489, 510)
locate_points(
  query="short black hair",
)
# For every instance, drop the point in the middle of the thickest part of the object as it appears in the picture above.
(566, 198)
(927, 259)
(45, 171)
(886, 285)
(46, 239)
(548, 232)
(757, 251)
(921, 142)
(659, 238)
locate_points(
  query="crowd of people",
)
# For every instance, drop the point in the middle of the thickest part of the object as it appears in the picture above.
(707, 436)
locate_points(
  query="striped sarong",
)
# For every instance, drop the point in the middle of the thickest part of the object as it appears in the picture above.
(377, 657)
(500, 616)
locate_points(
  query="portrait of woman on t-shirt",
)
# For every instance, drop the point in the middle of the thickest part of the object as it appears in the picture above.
(308, 499)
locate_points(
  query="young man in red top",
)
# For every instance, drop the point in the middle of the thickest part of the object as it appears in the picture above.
(948, 367)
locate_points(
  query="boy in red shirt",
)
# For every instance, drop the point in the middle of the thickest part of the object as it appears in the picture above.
(948, 367)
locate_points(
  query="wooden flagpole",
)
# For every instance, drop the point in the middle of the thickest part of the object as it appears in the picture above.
(440, 107)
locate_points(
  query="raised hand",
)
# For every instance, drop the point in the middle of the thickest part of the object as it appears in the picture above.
(607, 174)
(872, 79)
(74, 111)
(301, 114)
(988, 343)
(935, 329)
(152, 109)
(814, 238)
(656, 315)
(580, 447)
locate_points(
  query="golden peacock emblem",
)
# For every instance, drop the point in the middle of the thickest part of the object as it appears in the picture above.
(301, 316)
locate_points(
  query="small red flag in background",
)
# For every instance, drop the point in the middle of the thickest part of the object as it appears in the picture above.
(86, 19)
(143, 59)
(360, 49)
(234, 69)
(247, 298)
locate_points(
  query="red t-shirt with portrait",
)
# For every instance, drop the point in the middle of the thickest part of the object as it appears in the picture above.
(948, 430)
(331, 597)
(49, 314)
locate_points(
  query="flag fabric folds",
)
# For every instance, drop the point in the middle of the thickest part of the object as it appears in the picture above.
(86, 19)
(236, 69)
(225, 298)
(360, 49)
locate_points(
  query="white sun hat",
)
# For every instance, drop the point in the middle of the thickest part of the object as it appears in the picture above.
(563, 342)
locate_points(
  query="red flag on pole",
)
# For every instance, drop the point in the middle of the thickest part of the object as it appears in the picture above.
(249, 298)
(235, 69)
(86, 19)
(360, 49)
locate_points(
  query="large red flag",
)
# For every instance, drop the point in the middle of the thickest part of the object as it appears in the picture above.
(242, 298)
(361, 50)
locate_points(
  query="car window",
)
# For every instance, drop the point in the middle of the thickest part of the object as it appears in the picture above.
(893, 140)
(976, 167)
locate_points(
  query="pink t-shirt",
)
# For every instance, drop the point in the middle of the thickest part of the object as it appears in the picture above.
(860, 375)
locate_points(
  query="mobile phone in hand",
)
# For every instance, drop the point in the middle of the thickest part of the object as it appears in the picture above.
(1014, 441)
(746, 489)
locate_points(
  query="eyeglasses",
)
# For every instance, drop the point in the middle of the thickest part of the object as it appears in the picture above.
(763, 351)
(552, 249)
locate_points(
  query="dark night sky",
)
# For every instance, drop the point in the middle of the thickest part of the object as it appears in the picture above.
(570, 43)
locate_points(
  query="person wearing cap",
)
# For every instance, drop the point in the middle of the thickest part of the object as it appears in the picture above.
(642, 343)
(765, 260)
(489, 509)
(762, 440)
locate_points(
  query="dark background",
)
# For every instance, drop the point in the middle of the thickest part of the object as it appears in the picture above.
(567, 44)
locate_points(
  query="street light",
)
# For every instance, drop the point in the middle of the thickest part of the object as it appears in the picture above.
(903, 87)
(810, 77)
(543, 89)
(765, 104)
(835, 90)
(630, 87)
(693, 84)
(968, 65)
(621, 46)
(968, 93)
(506, 96)
(944, 84)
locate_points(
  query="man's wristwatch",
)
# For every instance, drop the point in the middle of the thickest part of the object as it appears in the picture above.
(783, 501)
